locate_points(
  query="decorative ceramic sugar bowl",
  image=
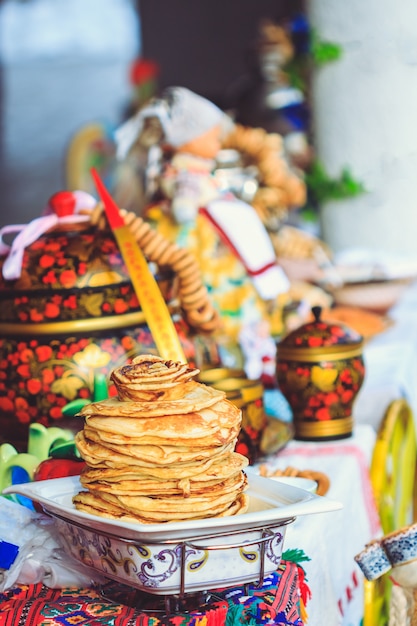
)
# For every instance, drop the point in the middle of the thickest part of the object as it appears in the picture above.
(320, 370)
(247, 395)
(68, 318)
(373, 560)
(401, 549)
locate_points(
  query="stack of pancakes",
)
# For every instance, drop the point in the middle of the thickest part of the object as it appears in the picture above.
(163, 450)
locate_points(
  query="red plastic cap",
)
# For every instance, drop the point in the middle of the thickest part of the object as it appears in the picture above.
(62, 203)
(143, 70)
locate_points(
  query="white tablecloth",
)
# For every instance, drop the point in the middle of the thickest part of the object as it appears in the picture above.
(332, 539)
(391, 364)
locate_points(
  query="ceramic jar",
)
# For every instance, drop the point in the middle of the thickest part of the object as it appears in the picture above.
(401, 549)
(397, 552)
(71, 318)
(247, 395)
(373, 560)
(320, 370)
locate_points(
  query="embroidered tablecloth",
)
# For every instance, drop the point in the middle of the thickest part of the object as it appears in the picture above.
(332, 539)
(277, 601)
(391, 364)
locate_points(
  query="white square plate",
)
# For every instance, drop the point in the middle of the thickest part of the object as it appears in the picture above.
(269, 502)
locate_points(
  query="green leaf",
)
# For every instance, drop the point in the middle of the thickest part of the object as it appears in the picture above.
(92, 303)
(67, 386)
(67, 450)
(74, 407)
(322, 188)
(295, 555)
(100, 387)
(323, 52)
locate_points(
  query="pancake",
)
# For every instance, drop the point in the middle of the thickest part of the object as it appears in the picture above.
(216, 469)
(199, 397)
(163, 450)
(176, 508)
(216, 425)
(150, 378)
(185, 487)
(151, 455)
(170, 506)
(90, 503)
(223, 475)
(97, 456)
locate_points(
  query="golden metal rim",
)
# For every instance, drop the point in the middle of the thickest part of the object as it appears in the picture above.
(244, 396)
(74, 326)
(330, 428)
(310, 355)
(216, 375)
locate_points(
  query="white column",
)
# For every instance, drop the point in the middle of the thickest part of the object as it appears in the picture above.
(364, 109)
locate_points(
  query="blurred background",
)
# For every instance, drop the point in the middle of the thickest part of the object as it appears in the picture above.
(66, 63)
(63, 64)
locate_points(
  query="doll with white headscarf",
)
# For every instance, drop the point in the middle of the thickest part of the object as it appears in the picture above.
(235, 254)
(192, 127)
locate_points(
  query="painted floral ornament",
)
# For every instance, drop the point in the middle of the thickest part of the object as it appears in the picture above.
(68, 316)
(40, 461)
(320, 370)
(395, 554)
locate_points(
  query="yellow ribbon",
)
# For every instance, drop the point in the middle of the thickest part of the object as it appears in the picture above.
(153, 305)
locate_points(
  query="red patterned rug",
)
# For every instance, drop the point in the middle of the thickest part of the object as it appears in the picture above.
(277, 601)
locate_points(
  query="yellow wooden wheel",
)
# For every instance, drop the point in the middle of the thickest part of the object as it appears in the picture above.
(393, 467)
(91, 146)
(393, 477)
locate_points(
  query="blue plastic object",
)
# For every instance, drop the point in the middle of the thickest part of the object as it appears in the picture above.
(8, 554)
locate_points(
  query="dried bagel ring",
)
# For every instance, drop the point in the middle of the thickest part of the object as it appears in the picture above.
(322, 480)
(162, 247)
(139, 228)
(193, 293)
(199, 313)
(184, 264)
(146, 239)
